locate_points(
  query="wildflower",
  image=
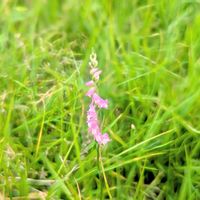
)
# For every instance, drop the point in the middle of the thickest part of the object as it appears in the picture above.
(96, 102)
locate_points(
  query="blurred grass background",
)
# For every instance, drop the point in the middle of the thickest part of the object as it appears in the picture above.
(149, 53)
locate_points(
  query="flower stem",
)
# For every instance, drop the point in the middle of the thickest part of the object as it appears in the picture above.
(99, 172)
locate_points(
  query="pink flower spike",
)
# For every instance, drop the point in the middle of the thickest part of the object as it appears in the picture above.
(89, 83)
(90, 92)
(96, 102)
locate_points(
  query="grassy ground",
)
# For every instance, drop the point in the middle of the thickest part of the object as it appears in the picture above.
(149, 53)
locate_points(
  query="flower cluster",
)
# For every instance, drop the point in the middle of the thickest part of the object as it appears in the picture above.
(96, 102)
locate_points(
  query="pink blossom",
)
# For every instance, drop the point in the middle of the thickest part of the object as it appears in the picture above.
(92, 120)
(96, 75)
(89, 83)
(96, 101)
(93, 70)
(105, 138)
(93, 126)
(102, 138)
(101, 103)
(90, 92)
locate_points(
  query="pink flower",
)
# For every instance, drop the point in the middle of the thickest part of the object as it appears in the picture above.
(101, 103)
(89, 83)
(105, 138)
(92, 120)
(93, 70)
(96, 101)
(96, 75)
(90, 92)
(102, 138)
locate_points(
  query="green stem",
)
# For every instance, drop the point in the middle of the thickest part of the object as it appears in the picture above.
(99, 172)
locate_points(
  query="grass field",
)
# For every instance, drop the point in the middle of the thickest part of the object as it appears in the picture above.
(149, 52)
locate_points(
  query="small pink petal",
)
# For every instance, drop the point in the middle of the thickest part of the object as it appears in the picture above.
(89, 83)
(90, 92)
(105, 138)
(93, 70)
(101, 103)
(96, 74)
(101, 139)
(97, 137)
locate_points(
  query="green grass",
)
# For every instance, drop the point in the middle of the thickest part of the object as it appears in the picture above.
(149, 53)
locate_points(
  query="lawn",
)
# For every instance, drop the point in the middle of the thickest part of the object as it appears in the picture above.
(149, 54)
